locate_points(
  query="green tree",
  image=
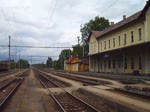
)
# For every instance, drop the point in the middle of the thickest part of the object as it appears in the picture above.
(39, 65)
(56, 64)
(98, 24)
(64, 55)
(77, 51)
(49, 62)
(22, 63)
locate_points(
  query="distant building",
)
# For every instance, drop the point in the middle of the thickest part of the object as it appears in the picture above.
(122, 48)
(74, 64)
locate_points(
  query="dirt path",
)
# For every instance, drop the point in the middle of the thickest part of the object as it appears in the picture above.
(31, 97)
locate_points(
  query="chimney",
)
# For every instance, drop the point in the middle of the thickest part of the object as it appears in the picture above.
(111, 23)
(124, 17)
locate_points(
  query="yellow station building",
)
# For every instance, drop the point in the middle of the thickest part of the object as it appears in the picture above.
(74, 64)
(124, 47)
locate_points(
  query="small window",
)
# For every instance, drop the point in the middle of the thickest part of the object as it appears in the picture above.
(101, 65)
(119, 62)
(109, 64)
(92, 64)
(101, 45)
(132, 36)
(132, 62)
(105, 64)
(125, 39)
(104, 44)
(140, 62)
(125, 63)
(95, 47)
(109, 43)
(113, 42)
(114, 64)
(119, 40)
(140, 33)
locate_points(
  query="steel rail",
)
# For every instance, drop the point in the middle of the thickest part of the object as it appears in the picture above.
(51, 94)
(10, 94)
(79, 79)
(141, 94)
(7, 84)
(74, 97)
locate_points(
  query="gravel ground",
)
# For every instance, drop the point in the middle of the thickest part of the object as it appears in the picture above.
(31, 97)
(101, 105)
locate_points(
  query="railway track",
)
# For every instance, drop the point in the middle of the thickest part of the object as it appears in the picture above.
(7, 90)
(67, 101)
(85, 82)
(125, 79)
(6, 73)
(141, 93)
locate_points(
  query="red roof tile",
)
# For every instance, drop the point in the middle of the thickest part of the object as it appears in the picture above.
(70, 60)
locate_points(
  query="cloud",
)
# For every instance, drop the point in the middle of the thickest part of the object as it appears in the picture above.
(54, 22)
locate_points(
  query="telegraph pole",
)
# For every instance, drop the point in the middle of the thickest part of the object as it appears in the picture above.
(9, 54)
(83, 45)
(82, 41)
(19, 61)
(78, 45)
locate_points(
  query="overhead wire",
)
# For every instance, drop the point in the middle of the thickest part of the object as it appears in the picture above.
(108, 7)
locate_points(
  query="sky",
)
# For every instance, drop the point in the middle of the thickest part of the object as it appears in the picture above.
(54, 23)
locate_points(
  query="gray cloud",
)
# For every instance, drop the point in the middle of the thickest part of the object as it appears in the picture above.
(33, 23)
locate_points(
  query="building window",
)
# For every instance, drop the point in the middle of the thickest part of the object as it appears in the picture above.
(105, 65)
(140, 33)
(125, 39)
(101, 65)
(104, 44)
(140, 62)
(109, 43)
(132, 36)
(119, 40)
(95, 47)
(132, 62)
(125, 63)
(101, 45)
(119, 62)
(91, 63)
(113, 42)
(109, 64)
(114, 64)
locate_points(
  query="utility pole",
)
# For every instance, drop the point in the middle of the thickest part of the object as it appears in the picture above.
(78, 50)
(31, 60)
(83, 45)
(83, 42)
(9, 54)
(78, 45)
(19, 61)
